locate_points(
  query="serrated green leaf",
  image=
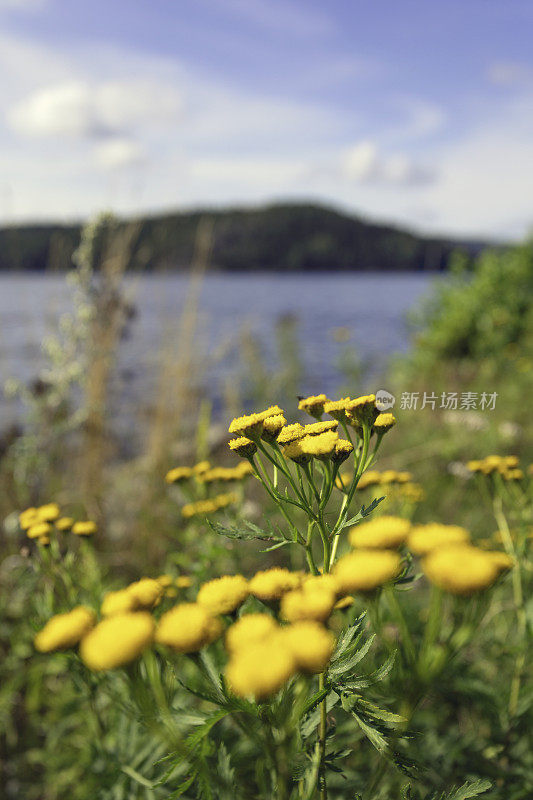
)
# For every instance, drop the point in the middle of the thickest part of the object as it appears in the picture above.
(194, 739)
(364, 512)
(348, 661)
(468, 790)
(244, 530)
(374, 736)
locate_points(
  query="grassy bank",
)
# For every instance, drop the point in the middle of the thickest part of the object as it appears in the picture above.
(438, 700)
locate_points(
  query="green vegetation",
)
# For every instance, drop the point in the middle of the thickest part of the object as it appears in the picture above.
(286, 238)
(438, 706)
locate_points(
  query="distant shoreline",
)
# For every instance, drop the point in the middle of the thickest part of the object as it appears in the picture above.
(279, 238)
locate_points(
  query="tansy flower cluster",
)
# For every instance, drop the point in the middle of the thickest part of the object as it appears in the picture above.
(40, 523)
(373, 477)
(205, 473)
(301, 443)
(505, 466)
(209, 506)
(451, 562)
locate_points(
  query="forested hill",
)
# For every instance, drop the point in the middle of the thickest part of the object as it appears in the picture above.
(282, 237)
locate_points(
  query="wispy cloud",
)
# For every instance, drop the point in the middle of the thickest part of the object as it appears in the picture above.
(81, 110)
(365, 163)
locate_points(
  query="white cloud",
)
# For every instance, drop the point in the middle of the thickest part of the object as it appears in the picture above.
(119, 153)
(486, 175)
(81, 110)
(364, 163)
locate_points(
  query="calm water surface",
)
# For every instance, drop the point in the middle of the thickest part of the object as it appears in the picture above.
(365, 314)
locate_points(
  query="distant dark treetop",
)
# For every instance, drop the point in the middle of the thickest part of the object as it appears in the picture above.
(281, 238)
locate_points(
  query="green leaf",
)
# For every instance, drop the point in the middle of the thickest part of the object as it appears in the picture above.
(470, 790)
(310, 724)
(137, 777)
(183, 787)
(310, 779)
(279, 543)
(314, 701)
(374, 736)
(381, 713)
(345, 640)
(195, 738)
(364, 512)
(244, 530)
(348, 661)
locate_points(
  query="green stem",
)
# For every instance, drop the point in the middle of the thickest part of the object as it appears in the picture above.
(518, 599)
(322, 731)
(434, 619)
(407, 639)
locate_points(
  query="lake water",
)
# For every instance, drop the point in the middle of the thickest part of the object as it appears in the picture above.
(333, 317)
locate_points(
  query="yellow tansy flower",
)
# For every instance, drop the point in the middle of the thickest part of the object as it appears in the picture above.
(460, 569)
(343, 449)
(403, 477)
(118, 602)
(243, 446)
(424, 538)
(290, 433)
(381, 533)
(310, 644)
(249, 629)
(28, 517)
(295, 453)
(383, 423)
(64, 524)
(223, 595)
(313, 405)
(365, 570)
(319, 446)
(345, 602)
(65, 630)
(502, 560)
(186, 628)
(260, 669)
(307, 603)
(249, 425)
(183, 582)
(272, 427)
(38, 530)
(370, 478)
(178, 474)
(85, 528)
(201, 467)
(48, 512)
(337, 408)
(270, 584)
(272, 411)
(146, 593)
(316, 428)
(362, 410)
(117, 640)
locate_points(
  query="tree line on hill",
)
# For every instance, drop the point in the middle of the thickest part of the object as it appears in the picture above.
(280, 237)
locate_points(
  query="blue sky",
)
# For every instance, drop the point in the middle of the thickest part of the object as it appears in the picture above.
(413, 111)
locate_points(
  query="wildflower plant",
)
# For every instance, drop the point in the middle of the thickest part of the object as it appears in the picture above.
(270, 685)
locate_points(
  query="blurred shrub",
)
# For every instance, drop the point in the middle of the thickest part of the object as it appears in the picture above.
(479, 314)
